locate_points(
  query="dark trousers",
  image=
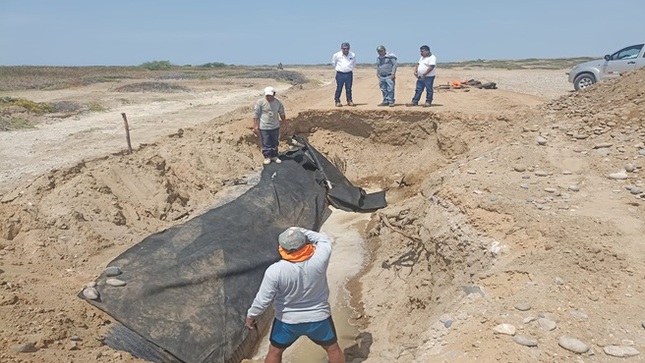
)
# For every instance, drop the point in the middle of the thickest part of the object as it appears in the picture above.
(344, 79)
(427, 83)
(270, 140)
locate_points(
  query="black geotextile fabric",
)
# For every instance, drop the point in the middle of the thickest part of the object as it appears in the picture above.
(341, 193)
(189, 287)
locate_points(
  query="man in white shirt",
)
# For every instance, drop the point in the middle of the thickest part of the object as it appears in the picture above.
(297, 286)
(267, 125)
(344, 63)
(424, 72)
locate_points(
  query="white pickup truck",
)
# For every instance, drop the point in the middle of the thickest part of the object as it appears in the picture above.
(585, 74)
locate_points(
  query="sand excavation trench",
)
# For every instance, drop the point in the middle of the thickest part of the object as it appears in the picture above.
(433, 244)
(112, 203)
(423, 253)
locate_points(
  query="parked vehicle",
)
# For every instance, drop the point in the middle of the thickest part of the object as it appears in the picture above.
(585, 74)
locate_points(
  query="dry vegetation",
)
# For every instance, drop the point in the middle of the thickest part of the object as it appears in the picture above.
(18, 113)
(54, 78)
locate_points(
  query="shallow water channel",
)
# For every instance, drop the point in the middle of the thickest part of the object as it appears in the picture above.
(346, 261)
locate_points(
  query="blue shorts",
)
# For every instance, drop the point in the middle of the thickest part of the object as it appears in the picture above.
(322, 333)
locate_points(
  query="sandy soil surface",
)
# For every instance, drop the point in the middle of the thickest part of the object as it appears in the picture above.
(513, 232)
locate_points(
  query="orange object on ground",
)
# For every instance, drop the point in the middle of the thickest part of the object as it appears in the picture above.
(456, 84)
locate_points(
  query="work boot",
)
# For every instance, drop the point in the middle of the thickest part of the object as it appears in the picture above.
(383, 104)
(410, 104)
(391, 104)
(350, 103)
(338, 104)
(427, 104)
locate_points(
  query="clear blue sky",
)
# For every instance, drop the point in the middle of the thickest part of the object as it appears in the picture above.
(251, 32)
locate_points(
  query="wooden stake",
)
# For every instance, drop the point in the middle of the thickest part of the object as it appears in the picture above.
(127, 132)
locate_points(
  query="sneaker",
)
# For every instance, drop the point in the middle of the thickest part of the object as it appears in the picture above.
(410, 104)
(383, 104)
(350, 103)
(391, 105)
(338, 104)
(266, 161)
(277, 160)
(427, 104)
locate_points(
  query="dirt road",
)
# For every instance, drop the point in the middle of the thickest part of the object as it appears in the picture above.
(504, 236)
(62, 141)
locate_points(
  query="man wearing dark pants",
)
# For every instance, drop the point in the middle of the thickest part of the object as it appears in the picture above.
(424, 72)
(344, 62)
(297, 286)
(267, 124)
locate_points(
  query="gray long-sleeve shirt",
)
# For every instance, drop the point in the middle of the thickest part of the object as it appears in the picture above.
(299, 290)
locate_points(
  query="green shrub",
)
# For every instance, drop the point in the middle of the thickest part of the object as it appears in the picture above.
(160, 87)
(11, 124)
(68, 107)
(280, 75)
(96, 107)
(156, 65)
(214, 65)
(31, 106)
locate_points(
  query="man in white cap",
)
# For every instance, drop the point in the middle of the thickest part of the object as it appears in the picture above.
(267, 114)
(297, 284)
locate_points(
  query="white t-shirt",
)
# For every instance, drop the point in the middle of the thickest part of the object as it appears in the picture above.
(425, 63)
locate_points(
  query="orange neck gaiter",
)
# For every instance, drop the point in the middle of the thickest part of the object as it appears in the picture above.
(297, 256)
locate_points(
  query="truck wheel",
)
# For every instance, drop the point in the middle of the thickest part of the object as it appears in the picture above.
(583, 81)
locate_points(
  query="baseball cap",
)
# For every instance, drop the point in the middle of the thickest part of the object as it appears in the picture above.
(425, 47)
(292, 239)
(380, 48)
(269, 91)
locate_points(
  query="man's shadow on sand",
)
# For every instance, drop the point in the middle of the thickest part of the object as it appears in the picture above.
(360, 351)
